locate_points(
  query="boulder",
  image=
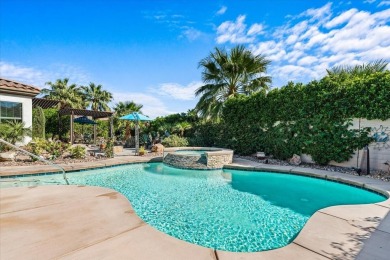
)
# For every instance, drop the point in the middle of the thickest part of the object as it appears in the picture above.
(295, 160)
(260, 155)
(7, 156)
(158, 148)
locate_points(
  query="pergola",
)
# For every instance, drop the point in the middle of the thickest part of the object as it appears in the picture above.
(47, 103)
(84, 112)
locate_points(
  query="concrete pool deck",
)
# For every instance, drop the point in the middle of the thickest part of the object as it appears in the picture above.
(73, 222)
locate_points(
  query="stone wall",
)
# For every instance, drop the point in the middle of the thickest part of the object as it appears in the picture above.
(219, 159)
(213, 159)
(186, 161)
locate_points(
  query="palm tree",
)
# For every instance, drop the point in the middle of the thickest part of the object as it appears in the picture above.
(228, 75)
(14, 131)
(96, 97)
(181, 127)
(69, 95)
(124, 108)
(358, 70)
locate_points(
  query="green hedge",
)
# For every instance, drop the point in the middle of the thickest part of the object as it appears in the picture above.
(312, 118)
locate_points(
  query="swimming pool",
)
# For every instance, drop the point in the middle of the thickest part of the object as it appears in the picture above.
(191, 152)
(230, 210)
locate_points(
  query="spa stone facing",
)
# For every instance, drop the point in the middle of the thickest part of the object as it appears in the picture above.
(212, 158)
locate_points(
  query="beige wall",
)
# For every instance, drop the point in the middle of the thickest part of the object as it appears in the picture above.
(379, 151)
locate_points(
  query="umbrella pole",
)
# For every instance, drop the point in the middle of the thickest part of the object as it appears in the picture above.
(136, 138)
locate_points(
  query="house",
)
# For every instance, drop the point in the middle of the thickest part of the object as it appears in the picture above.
(16, 102)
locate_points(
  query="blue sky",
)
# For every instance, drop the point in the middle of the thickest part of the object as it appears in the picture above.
(148, 51)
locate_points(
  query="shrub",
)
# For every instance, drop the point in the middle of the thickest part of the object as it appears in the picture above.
(77, 152)
(14, 131)
(56, 148)
(38, 124)
(109, 149)
(40, 146)
(175, 141)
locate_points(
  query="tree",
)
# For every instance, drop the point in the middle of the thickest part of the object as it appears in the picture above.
(96, 97)
(343, 72)
(125, 108)
(69, 95)
(228, 75)
(181, 127)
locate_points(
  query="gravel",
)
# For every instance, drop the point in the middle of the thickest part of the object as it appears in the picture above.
(375, 174)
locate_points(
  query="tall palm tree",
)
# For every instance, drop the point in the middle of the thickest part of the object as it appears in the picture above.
(227, 75)
(69, 95)
(124, 108)
(96, 97)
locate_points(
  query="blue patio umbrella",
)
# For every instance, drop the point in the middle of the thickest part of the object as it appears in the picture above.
(137, 117)
(84, 121)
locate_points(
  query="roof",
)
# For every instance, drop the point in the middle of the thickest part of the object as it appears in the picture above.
(8, 86)
(45, 103)
(84, 112)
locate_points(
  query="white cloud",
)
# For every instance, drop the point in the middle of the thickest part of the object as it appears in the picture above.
(21, 73)
(308, 60)
(192, 34)
(222, 10)
(321, 14)
(38, 77)
(236, 32)
(177, 91)
(369, 1)
(342, 18)
(152, 106)
(305, 46)
(255, 29)
(384, 3)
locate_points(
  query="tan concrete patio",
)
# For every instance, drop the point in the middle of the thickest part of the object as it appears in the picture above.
(78, 222)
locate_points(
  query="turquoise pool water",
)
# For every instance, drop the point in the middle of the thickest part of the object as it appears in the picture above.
(191, 152)
(229, 210)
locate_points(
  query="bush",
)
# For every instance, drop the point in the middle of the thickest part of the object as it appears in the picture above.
(312, 119)
(14, 131)
(175, 141)
(109, 149)
(77, 152)
(53, 149)
(38, 123)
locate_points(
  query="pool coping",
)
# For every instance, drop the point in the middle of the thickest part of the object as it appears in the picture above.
(346, 226)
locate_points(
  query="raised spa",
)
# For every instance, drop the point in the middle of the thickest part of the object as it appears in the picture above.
(198, 157)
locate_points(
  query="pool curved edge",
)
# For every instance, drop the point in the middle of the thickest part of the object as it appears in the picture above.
(333, 232)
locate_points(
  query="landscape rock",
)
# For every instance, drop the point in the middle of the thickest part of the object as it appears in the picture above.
(7, 156)
(157, 148)
(296, 160)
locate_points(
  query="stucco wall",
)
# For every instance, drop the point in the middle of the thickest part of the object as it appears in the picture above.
(26, 110)
(379, 151)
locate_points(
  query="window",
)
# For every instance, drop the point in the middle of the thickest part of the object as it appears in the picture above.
(10, 110)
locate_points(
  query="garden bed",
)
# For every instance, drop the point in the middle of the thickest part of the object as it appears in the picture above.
(381, 175)
(66, 160)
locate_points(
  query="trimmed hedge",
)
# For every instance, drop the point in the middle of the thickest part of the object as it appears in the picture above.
(312, 118)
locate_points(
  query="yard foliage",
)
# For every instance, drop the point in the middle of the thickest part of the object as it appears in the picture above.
(312, 118)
